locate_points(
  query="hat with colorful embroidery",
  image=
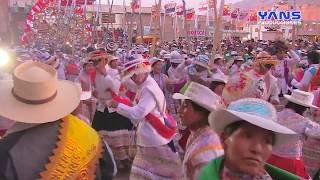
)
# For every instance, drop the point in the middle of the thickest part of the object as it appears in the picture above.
(138, 66)
(97, 56)
(254, 111)
(244, 85)
(265, 58)
(112, 46)
(203, 61)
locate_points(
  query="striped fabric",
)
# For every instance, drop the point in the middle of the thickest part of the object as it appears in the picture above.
(203, 145)
(155, 163)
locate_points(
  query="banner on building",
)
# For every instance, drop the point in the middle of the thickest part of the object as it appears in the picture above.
(197, 33)
(108, 18)
(179, 10)
(190, 13)
(170, 8)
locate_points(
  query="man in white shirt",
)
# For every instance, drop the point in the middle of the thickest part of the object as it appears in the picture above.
(155, 128)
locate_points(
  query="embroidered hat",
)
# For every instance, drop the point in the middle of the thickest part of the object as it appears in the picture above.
(112, 46)
(301, 97)
(254, 111)
(265, 58)
(203, 61)
(138, 66)
(97, 55)
(201, 95)
(244, 85)
(36, 95)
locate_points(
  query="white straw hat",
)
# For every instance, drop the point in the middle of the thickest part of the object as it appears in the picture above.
(36, 96)
(301, 97)
(201, 95)
(219, 77)
(254, 111)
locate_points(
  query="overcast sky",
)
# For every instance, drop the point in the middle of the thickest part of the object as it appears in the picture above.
(190, 3)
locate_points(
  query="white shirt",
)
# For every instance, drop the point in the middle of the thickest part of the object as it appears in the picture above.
(307, 76)
(147, 136)
(103, 84)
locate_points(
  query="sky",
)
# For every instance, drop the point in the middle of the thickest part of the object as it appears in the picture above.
(149, 3)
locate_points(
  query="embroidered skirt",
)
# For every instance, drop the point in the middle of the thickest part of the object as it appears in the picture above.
(311, 155)
(155, 163)
(116, 130)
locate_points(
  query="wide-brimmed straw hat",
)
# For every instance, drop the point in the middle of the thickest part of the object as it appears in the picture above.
(301, 98)
(138, 66)
(265, 58)
(36, 95)
(154, 60)
(176, 57)
(254, 111)
(219, 77)
(201, 95)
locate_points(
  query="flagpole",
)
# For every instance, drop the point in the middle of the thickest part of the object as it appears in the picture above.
(163, 24)
(140, 19)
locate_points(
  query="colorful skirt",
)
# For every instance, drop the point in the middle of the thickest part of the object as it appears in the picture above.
(293, 166)
(117, 131)
(311, 155)
(155, 163)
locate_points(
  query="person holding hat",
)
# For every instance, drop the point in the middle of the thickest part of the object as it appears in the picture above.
(112, 126)
(46, 141)
(203, 144)
(156, 157)
(249, 132)
(289, 156)
(283, 70)
(263, 63)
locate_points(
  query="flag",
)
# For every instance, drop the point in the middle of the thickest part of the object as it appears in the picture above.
(253, 17)
(243, 15)
(170, 8)
(235, 13)
(211, 3)
(226, 10)
(179, 10)
(203, 7)
(78, 2)
(190, 13)
(135, 4)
